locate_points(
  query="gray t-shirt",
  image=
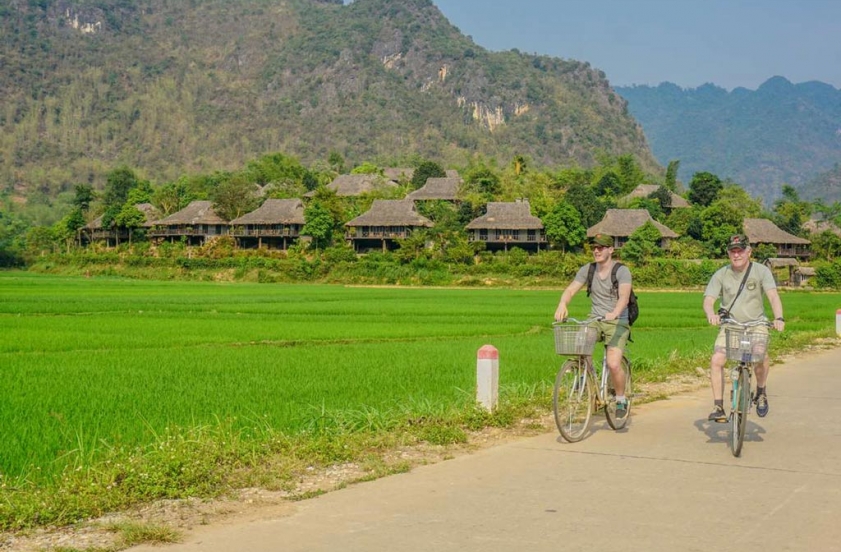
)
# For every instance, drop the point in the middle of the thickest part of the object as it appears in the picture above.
(750, 305)
(602, 296)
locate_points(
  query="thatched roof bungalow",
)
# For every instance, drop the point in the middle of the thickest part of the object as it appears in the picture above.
(763, 231)
(197, 222)
(386, 221)
(621, 223)
(349, 185)
(645, 190)
(508, 224)
(94, 231)
(445, 189)
(276, 223)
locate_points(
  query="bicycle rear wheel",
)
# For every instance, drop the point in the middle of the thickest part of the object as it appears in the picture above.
(739, 413)
(573, 399)
(610, 399)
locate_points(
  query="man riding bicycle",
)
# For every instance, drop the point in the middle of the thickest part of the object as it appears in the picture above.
(739, 285)
(610, 308)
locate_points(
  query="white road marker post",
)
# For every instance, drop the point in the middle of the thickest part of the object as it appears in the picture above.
(838, 322)
(487, 377)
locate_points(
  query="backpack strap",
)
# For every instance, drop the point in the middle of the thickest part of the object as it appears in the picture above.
(613, 277)
(590, 275)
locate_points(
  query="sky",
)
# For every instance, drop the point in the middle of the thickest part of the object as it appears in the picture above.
(730, 43)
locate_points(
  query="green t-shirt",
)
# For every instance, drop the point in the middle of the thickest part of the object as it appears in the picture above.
(750, 305)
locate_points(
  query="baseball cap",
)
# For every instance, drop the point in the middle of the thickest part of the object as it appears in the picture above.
(602, 239)
(738, 241)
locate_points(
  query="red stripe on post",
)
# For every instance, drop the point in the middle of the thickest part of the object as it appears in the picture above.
(487, 352)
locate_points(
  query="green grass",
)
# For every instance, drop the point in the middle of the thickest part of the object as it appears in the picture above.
(105, 377)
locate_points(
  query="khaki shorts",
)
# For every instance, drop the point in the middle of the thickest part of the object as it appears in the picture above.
(721, 339)
(615, 333)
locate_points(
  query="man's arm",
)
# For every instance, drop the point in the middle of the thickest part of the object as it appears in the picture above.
(621, 303)
(709, 305)
(561, 312)
(776, 308)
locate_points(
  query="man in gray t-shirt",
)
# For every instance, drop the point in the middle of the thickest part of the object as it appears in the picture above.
(743, 307)
(611, 308)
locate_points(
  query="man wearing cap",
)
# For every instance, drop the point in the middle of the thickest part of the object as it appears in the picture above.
(743, 307)
(608, 307)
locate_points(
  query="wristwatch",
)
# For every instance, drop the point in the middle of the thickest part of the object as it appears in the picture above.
(780, 318)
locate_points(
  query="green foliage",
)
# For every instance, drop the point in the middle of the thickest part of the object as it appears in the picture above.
(563, 226)
(426, 170)
(589, 207)
(234, 197)
(826, 245)
(704, 188)
(319, 224)
(720, 221)
(643, 244)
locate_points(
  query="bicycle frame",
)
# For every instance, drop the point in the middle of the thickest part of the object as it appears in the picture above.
(745, 351)
(581, 386)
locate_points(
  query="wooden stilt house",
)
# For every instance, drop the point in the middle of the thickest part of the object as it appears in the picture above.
(197, 223)
(506, 225)
(276, 224)
(385, 222)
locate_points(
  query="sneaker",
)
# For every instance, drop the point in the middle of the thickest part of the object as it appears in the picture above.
(718, 415)
(761, 402)
(621, 410)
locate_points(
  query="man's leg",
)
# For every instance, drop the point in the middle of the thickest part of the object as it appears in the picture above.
(717, 362)
(614, 364)
(761, 399)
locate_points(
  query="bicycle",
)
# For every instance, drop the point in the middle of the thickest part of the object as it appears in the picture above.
(747, 347)
(579, 387)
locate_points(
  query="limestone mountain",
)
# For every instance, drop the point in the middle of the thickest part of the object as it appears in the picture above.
(781, 133)
(171, 87)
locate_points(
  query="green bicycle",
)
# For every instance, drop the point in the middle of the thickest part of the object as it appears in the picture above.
(746, 346)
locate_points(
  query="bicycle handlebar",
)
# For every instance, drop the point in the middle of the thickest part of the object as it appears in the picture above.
(751, 324)
(577, 321)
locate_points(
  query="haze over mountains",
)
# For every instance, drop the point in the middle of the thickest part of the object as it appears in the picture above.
(781, 133)
(168, 87)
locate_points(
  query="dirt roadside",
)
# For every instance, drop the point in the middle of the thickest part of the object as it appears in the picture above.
(248, 505)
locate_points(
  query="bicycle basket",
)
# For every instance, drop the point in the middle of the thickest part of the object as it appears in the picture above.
(745, 345)
(574, 339)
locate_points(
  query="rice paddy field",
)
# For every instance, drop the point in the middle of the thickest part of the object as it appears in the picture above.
(87, 365)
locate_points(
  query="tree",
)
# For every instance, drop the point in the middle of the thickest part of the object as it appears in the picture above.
(318, 224)
(609, 185)
(484, 181)
(704, 188)
(235, 197)
(84, 195)
(367, 168)
(630, 173)
(671, 175)
(827, 245)
(130, 218)
(643, 244)
(720, 221)
(117, 186)
(585, 201)
(171, 197)
(427, 169)
(789, 212)
(563, 226)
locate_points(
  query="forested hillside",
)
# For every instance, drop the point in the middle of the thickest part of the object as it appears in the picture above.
(172, 88)
(782, 133)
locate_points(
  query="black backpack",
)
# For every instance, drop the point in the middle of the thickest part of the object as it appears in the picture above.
(633, 307)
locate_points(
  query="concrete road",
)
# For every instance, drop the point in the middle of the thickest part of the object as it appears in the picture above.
(667, 482)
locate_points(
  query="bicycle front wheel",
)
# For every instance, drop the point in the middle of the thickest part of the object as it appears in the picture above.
(739, 413)
(573, 399)
(610, 399)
